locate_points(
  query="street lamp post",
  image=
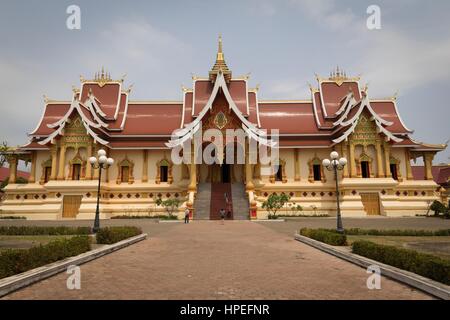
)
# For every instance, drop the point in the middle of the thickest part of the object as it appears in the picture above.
(101, 163)
(334, 165)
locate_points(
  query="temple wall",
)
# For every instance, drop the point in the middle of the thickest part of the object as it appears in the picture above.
(399, 153)
(41, 157)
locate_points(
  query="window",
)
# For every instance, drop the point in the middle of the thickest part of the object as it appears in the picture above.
(164, 173)
(317, 171)
(279, 174)
(124, 173)
(47, 174)
(76, 171)
(394, 172)
(365, 171)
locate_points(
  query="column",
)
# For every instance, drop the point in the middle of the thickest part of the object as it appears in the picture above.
(248, 172)
(96, 171)
(193, 173)
(297, 165)
(380, 173)
(12, 159)
(428, 159)
(32, 178)
(88, 164)
(344, 147)
(387, 159)
(409, 174)
(54, 153)
(352, 161)
(145, 166)
(62, 162)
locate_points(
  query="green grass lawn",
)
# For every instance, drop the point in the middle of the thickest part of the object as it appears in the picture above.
(26, 242)
(438, 246)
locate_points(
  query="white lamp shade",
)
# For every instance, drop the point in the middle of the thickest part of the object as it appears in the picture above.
(326, 162)
(334, 155)
(343, 161)
(101, 152)
(92, 160)
(335, 163)
(110, 161)
(102, 159)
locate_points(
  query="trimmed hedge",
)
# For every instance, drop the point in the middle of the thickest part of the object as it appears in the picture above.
(161, 217)
(50, 231)
(323, 235)
(420, 263)
(13, 217)
(110, 235)
(14, 261)
(408, 233)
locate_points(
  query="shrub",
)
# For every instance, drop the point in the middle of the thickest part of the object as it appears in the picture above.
(51, 231)
(161, 217)
(14, 261)
(274, 203)
(330, 237)
(438, 208)
(110, 235)
(406, 233)
(420, 263)
(13, 217)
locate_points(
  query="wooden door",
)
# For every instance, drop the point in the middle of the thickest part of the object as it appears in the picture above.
(371, 202)
(71, 205)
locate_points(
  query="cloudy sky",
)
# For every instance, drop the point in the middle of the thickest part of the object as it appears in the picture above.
(159, 45)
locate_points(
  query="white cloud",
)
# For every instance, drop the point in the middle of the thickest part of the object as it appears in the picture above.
(326, 13)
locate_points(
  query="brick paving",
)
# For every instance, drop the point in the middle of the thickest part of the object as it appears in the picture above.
(211, 260)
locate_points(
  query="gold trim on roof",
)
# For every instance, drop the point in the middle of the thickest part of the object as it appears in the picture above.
(338, 76)
(220, 65)
(102, 77)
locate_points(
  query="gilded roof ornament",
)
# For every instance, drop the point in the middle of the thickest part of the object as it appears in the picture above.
(339, 76)
(220, 65)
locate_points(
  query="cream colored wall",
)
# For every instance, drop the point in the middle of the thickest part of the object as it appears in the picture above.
(399, 153)
(306, 155)
(41, 157)
(288, 156)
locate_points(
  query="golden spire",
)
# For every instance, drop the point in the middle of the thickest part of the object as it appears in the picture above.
(220, 65)
(219, 51)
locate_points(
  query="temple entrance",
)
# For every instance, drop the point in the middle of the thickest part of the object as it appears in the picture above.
(220, 173)
(226, 175)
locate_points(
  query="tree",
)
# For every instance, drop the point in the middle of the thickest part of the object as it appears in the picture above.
(274, 203)
(3, 148)
(169, 204)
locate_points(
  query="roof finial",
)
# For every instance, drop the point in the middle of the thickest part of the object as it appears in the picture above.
(220, 65)
(220, 51)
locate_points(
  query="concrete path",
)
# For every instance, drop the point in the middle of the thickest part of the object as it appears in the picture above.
(211, 260)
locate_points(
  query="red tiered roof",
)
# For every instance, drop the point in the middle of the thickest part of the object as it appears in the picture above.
(327, 118)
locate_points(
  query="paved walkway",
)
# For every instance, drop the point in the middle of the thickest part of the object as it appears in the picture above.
(211, 260)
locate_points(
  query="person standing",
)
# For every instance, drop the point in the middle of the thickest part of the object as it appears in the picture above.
(186, 215)
(222, 214)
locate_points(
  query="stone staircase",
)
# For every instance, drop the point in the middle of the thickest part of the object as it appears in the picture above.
(202, 202)
(240, 202)
(210, 198)
(218, 201)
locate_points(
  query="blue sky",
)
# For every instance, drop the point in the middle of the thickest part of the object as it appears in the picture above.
(282, 43)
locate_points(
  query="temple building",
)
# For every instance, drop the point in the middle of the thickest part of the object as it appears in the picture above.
(101, 114)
